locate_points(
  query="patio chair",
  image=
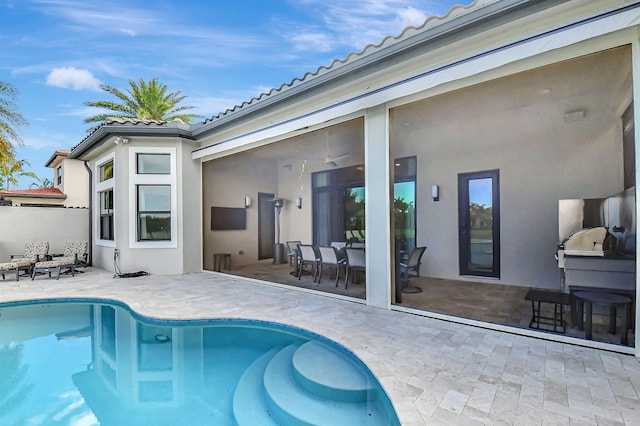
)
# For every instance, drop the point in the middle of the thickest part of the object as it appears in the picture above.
(33, 252)
(412, 264)
(308, 256)
(329, 257)
(74, 256)
(292, 247)
(356, 262)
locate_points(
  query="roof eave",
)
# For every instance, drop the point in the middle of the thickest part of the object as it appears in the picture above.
(100, 135)
(496, 12)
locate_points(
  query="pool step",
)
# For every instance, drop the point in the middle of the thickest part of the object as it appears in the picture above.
(249, 407)
(291, 404)
(326, 373)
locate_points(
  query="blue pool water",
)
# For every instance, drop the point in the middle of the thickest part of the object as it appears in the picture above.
(80, 364)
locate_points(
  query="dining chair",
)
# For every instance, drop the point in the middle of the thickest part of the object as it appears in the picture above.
(292, 247)
(329, 257)
(355, 262)
(412, 264)
(308, 256)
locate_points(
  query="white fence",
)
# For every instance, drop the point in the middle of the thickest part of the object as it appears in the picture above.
(19, 225)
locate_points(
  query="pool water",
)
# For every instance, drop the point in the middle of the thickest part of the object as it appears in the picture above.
(80, 364)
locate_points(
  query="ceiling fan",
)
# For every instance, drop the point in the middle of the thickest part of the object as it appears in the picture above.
(333, 161)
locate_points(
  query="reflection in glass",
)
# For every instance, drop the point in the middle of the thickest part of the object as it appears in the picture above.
(481, 223)
(354, 204)
(154, 212)
(154, 163)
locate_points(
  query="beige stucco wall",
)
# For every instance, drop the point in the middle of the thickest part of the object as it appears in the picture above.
(75, 183)
(284, 169)
(19, 225)
(515, 125)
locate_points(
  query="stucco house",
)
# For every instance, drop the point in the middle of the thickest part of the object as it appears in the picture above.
(70, 186)
(481, 121)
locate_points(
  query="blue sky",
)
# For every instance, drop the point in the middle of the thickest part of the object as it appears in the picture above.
(218, 53)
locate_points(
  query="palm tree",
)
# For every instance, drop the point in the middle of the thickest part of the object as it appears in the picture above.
(145, 100)
(42, 183)
(11, 169)
(11, 121)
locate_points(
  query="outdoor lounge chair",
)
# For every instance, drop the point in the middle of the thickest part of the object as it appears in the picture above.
(33, 252)
(75, 255)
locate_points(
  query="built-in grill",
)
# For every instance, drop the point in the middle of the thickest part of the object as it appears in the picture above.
(597, 248)
(586, 242)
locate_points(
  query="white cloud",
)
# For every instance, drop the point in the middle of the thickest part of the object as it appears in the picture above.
(315, 41)
(72, 78)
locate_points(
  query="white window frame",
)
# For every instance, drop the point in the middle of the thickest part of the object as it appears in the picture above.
(99, 188)
(136, 179)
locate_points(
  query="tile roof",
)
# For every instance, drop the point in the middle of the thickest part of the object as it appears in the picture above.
(433, 21)
(35, 193)
(57, 153)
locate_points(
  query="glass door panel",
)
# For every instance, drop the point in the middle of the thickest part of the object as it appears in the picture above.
(354, 214)
(479, 233)
(404, 214)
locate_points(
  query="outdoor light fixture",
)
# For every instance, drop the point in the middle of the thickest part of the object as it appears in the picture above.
(247, 202)
(299, 202)
(119, 140)
(435, 192)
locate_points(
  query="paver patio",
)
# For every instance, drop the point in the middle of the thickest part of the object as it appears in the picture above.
(435, 372)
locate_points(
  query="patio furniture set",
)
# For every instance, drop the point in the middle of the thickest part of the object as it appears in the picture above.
(36, 260)
(582, 312)
(342, 255)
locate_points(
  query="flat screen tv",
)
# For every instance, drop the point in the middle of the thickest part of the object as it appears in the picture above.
(228, 218)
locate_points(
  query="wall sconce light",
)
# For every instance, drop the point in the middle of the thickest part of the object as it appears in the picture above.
(299, 202)
(247, 202)
(435, 192)
(120, 140)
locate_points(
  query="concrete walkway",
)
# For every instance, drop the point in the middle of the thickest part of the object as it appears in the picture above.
(435, 372)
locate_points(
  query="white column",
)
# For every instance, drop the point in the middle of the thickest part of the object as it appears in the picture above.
(378, 213)
(635, 52)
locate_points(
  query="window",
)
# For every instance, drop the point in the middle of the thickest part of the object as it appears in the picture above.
(154, 212)
(106, 215)
(339, 205)
(105, 201)
(106, 171)
(404, 202)
(153, 164)
(153, 218)
(59, 173)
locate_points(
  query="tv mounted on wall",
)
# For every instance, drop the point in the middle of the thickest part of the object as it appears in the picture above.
(228, 218)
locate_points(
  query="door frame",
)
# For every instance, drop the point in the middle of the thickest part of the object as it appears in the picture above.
(464, 223)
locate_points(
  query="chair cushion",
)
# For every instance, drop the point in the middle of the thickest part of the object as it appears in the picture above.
(7, 266)
(52, 264)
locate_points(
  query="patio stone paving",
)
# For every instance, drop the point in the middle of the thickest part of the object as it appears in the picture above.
(436, 372)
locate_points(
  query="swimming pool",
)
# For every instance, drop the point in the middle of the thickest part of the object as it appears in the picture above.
(96, 362)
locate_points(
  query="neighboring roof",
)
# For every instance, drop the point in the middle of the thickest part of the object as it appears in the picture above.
(56, 154)
(34, 193)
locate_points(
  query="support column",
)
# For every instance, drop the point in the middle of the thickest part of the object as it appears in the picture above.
(378, 210)
(635, 67)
